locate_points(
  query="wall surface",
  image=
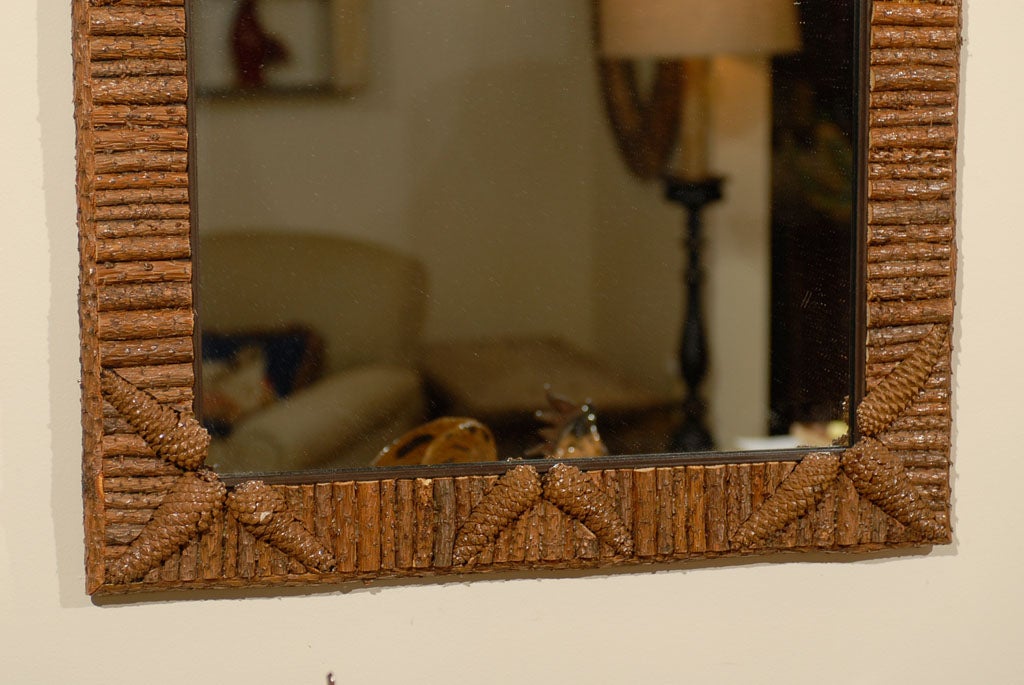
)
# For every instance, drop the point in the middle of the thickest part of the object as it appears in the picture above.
(951, 616)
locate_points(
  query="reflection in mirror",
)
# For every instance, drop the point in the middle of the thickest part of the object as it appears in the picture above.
(431, 245)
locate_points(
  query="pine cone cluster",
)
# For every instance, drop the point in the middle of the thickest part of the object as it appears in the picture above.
(177, 437)
(577, 495)
(265, 513)
(188, 509)
(511, 496)
(797, 496)
(879, 476)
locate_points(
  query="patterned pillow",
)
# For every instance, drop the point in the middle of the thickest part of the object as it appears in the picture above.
(246, 371)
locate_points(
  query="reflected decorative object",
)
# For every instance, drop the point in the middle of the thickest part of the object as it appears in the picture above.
(570, 431)
(253, 48)
(693, 31)
(447, 440)
(137, 322)
(279, 47)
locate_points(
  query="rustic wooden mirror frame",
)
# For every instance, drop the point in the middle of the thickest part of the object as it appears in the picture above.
(154, 519)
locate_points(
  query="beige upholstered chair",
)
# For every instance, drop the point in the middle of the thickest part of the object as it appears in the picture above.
(367, 304)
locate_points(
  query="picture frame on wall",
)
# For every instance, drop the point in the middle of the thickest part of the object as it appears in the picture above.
(279, 47)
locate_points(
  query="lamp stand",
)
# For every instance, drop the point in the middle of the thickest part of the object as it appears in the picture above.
(693, 434)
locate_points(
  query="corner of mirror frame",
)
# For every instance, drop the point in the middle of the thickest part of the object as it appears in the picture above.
(154, 519)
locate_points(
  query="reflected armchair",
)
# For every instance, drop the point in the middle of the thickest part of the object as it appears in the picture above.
(365, 302)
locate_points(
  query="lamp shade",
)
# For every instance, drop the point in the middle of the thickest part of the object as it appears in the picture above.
(674, 29)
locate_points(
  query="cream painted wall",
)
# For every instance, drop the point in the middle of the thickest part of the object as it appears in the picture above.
(952, 616)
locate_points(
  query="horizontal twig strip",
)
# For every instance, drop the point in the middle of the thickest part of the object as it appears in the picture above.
(159, 376)
(143, 272)
(881, 155)
(882, 234)
(137, 21)
(897, 335)
(136, 47)
(155, 228)
(911, 99)
(145, 296)
(915, 440)
(900, 313)
(152, 139)
(125, 445)
(933, 189)
(913, 77)
(936, 421)
(140, 196)
(906, 252)
(910, 212)
(139, 484)
(121, 533)
(120, 353)
(912, 136)
(927, 170)
(137, 3)
(143, 249)
(141, 179)
(925, 460)
(140, 160)
(140, 90)
(920, 269)
(177, 397)
(140, 212)
(127, 517)
(922, 116)
(138, 466)
(138, 67)
(927, 56)
(910, 288)
(913, 14)
(888, 37)
(130, 501)
(145, 324)
(121, 116)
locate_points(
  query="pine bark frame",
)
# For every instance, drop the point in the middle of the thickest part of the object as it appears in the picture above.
(137, 319)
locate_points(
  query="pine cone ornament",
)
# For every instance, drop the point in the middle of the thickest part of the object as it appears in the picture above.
(511, 496)
(574, 493)
(797, 496)
(188, 509)
(897, 390)
(178, 438)
(264, 512)
(879, 476)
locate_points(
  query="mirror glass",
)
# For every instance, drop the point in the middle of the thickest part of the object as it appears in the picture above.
(419, 240)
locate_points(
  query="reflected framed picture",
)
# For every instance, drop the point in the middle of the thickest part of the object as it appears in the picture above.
(279, 47)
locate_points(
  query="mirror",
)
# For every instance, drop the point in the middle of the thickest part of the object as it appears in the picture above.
(447, 229)
(157, 518)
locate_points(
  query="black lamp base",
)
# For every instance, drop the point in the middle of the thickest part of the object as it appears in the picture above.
(693, 434)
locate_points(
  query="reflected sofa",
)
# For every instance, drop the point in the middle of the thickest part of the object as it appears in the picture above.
(364, 302)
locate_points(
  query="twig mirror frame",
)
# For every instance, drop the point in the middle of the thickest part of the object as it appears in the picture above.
(155, 519)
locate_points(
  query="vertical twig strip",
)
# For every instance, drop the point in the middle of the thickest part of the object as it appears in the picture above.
(571, 491)
(511, 496)
(177, 437)
(880, 477)
(265, 513)
(897, 390)
(188, 509)
(795, 497)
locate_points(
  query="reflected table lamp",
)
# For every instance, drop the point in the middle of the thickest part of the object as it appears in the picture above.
(693, 31)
